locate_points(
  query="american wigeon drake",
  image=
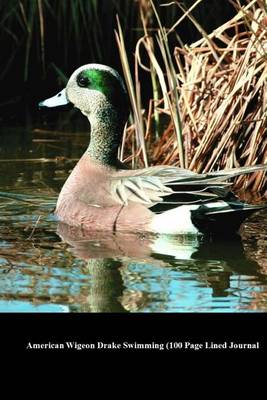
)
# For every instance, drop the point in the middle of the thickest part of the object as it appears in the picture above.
(101, 195)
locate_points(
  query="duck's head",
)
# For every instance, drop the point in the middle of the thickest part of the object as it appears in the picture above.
(94, 89)
(99, 93)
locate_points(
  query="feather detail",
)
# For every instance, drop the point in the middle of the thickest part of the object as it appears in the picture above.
(163, 185)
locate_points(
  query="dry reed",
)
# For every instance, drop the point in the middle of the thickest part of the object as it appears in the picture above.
(214, 96)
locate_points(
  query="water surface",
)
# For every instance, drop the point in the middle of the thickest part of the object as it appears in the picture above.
(46, 267)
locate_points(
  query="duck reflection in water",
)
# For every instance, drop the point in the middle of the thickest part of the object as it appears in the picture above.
(212, 263)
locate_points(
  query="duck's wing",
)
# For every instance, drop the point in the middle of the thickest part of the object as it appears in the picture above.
(168, 187)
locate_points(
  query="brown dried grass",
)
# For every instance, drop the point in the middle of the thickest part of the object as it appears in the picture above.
(214, 95)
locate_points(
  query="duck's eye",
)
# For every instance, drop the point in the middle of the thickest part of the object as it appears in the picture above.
(83, 81)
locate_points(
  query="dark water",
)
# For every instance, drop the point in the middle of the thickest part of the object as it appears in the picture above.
(46, 267)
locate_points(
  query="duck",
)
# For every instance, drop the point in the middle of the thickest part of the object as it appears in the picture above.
(101, 194)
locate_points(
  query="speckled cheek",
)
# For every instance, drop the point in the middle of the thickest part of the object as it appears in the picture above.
(75, 95)
(95, 102)
(89, 101)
